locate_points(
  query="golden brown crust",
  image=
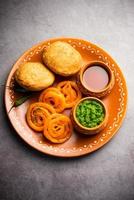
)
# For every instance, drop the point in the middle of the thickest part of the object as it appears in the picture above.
(34, 76)
(62, 58)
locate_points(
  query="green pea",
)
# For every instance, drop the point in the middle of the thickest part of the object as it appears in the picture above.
(87, 118)
(90, 113)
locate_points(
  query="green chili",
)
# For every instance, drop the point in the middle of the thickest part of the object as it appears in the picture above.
(19, 101)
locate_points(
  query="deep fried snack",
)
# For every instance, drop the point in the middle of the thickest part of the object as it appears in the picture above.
(53, 97)
(37, 114)
(70, 91)
(52, 89)
(58, 128)
(34, 76)
(62, 58)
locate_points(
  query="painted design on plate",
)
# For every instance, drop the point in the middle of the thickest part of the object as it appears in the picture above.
(116, 119)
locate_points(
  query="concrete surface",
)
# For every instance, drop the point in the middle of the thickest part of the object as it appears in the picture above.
(107, 174)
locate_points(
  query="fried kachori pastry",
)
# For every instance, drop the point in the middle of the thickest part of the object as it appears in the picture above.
(34, 76)
(62, 58)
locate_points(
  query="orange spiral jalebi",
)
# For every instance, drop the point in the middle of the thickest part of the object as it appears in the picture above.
(52, 89)
(53, 97)
(37, 114)
(70, 91)
(58, 128)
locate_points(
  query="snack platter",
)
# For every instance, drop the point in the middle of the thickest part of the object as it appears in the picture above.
(75, 143)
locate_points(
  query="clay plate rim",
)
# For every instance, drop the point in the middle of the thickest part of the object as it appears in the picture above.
(87, 151)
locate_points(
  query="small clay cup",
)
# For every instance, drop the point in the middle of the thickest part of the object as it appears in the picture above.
(84, 130)
(89, 91)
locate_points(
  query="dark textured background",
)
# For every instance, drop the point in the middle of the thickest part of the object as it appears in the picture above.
(107, 174)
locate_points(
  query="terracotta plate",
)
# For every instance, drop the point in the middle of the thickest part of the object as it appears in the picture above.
(77, 145)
